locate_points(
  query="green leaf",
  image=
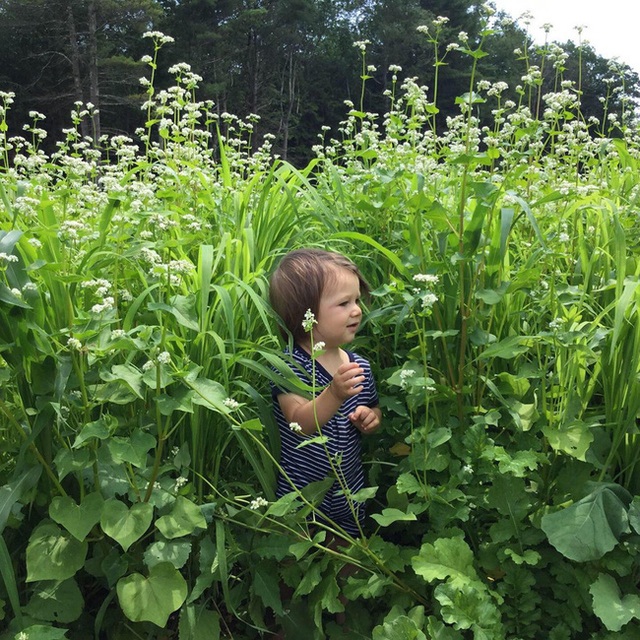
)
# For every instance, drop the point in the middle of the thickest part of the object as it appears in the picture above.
(508, 348)
(469, 607)
(42, 632)
(126, 374)
(155, 598)
(266, 585)
(132, 449)
(446, 559)
(125, 525)
(588, 528)
(68, 461)
(400, 628)
(174, 551)
(184, 519)
(199, 623)
(101, 429)
(183, 309)
(53, 554)
(209, 393)
(634, 514)
(614, 611)
(508, 497)
(573, 438)
(77, 520)
(391, 515)
(13, 491)
(59, 602)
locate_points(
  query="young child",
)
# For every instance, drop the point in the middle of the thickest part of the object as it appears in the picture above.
(346, 402)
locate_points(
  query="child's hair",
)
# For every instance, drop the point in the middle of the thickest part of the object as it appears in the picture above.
(299, 280)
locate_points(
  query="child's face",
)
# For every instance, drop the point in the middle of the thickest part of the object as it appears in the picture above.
(339, 312)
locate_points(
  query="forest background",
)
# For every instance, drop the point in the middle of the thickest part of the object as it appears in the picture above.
(291, 62)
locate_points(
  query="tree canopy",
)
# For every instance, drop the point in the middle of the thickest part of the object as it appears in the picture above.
(291, 62)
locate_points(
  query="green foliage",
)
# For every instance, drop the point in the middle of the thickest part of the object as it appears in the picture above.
(137, 350)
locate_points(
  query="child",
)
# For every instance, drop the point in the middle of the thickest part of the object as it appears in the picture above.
(346, 402)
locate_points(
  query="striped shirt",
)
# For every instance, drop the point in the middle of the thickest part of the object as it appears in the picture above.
(311, 463)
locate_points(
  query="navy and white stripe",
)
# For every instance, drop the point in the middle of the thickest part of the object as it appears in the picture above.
(310, 463)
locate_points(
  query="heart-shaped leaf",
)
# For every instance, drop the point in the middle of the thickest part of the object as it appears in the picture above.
(183, 519)
(53, 554)
(125, 525)
(155, 598)
(77, 520)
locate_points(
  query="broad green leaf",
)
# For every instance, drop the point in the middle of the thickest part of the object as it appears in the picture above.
(469, 606)
(53, 554)
(174, 551)
(68, 461)
(209, 393)
(508, 348)
(266, 585)
(183, 309)
(77, 520)
(59, 602)
(132, 449)
(614, 611)
(126, 374)
(199, 623)
(255, 424)
(13, 491)
(573, 438)
(282, 506)
(310, 580)
(509, 497)
(589, 528)
(101, 429)
(155, 598)
(400, 628)
(391, 515)
(42, 632)
(634, 514)
(125, 525)
(408, 483)
(446, 559)
(184, 519)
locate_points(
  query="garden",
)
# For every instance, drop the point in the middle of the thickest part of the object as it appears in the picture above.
(138, 451)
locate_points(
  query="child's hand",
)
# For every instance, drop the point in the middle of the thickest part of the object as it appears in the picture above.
(348, 381)
(365, 419)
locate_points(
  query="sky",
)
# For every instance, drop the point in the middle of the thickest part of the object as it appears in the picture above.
(610, 26)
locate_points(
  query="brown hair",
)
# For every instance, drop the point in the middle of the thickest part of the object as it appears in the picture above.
(299, 280)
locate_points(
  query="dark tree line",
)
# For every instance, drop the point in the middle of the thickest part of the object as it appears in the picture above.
(292, 62)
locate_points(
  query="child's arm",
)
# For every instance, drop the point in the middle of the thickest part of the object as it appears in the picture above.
(314, 413)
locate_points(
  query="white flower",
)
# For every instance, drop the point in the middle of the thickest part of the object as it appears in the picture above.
(164, 357)
(556, 324)
(230, 403)
(22, 636)
(295, 427)
(116, 334)
(564, 237)
(318, 346)
(181, 481)
(309, 320)
(74, 344)
(8, 257)
(258, 502)
(426, 277)
(149, 364)
(428, 300)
